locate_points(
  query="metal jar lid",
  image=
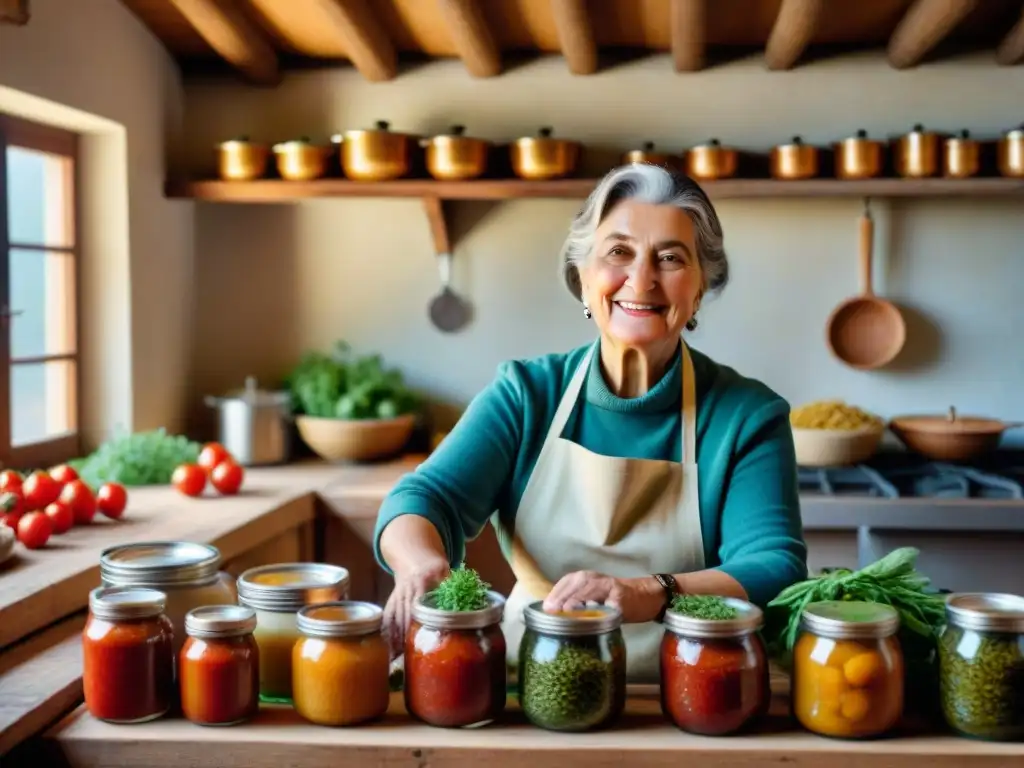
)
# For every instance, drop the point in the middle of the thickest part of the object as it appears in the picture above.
(340, 618)
(749, 618)
(287, 587)
(213, 621)
(851, 620)
(124, 603)
(426, 613)
(584, 622)
(986, 612)
(160, 564)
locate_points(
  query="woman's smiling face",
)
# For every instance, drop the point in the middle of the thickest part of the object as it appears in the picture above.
(643, 280)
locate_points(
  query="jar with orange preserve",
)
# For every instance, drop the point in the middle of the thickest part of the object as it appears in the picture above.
(714, 666)
(455, 662)
(341, 664)
(848, 669)
(219, 666)
(127, 655)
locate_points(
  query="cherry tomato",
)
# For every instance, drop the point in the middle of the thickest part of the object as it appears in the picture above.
(34, 530)
(63, 474)
(10, 481)
(61, 517)
(12, 507)
(77, 496)
(111, 499)
(227, 477)
(190, 479)
(38, 490)
(212, 455)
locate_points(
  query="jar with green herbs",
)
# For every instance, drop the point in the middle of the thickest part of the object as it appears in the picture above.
(572, 668)
(981, 666)
(714, 666)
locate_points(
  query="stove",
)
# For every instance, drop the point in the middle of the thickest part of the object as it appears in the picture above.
(900, 475)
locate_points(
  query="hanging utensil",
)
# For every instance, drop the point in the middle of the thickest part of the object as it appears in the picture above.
(449, 312)
(866, 331)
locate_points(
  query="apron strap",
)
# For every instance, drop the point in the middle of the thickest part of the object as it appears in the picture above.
(689, 419)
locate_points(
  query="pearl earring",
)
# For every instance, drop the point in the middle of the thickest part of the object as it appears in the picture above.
(586, 312)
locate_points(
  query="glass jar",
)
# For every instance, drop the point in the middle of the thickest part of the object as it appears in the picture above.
(127, 656)
(277, 593)
(455, 664)
(572, 668)
(848, 669)
(981, 666)
(189, 574)
(340, 666)
(219, 668)
(714, 672)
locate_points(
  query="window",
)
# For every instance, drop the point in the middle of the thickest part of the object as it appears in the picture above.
(38, 292)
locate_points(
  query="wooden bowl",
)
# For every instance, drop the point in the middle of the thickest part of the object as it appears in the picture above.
(952, 437)
(355, 439)
(836, 447)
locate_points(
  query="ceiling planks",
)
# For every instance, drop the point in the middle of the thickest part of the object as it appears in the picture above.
(260, 37)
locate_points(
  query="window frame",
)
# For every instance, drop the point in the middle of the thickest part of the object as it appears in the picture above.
(30, 135)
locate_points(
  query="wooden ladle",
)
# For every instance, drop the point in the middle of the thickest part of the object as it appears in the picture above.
(866, 331)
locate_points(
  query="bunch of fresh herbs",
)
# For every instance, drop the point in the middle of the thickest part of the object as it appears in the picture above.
(462, 590)
(142, 458)
(703, 607)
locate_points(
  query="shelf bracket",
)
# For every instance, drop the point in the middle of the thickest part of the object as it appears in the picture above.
(434, 208)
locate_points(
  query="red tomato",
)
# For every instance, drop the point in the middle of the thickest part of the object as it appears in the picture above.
(77, 496)
(61, 516)
(63, 474)
(12, 507)
(212, 455)
(111, 499)
(227, 477)
(10, 481)
(190, 479)
(38, 490)
(34, 530)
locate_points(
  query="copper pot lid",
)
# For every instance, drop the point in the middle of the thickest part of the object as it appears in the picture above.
(962, 137)
(239, 141)
(544, 134)
(860, 136)
(918, 130)
(951, 424)
(381, 127)
(713, 144)
(455, 133)
(796, 142)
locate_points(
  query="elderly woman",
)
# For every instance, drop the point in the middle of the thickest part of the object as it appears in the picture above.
(625, 471)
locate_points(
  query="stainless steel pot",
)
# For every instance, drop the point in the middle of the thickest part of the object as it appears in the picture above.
(254, 425)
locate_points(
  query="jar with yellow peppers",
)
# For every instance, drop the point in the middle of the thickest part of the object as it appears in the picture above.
(848, 669)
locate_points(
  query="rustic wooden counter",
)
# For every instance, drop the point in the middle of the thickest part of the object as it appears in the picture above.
(279, 737)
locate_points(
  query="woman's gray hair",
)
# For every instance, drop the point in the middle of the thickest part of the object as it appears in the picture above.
(647, 184)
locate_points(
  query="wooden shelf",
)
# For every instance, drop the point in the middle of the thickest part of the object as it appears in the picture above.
(278, 191)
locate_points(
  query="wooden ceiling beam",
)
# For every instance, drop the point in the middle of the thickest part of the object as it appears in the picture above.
(1011, 50)
(364, 39)
(575, 35)
(925, 25)
(792, 32)
(688, 30)
(232, 35)
(471, 36)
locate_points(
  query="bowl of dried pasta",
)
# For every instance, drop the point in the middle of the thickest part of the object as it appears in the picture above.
(832, 433)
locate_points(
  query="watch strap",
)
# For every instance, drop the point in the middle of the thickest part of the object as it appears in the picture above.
(668, 583)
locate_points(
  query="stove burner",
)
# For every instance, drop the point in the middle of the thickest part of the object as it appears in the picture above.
(922, 479)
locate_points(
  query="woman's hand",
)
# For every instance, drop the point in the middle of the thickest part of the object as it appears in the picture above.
(410, 585)
(639, 599)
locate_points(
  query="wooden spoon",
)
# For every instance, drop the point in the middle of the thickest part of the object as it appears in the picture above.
(866, 331)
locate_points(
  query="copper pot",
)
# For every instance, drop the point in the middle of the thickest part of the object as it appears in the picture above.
(374, 155)
(950, 437)
(795, 160)
(542, 157)
(242, 160)
(916, 154)
(301, 160)
(1010, 152)
(710, 161)
(646, 154)
(455, 157)
(962, 156)
(859, 157)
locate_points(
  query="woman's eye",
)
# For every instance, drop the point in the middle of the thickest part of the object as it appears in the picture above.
(618, 252)
(672, 257)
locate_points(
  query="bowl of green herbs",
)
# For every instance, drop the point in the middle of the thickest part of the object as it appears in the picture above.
(351, 407)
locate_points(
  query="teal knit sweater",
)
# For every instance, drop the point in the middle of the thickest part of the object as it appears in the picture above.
(749, 505)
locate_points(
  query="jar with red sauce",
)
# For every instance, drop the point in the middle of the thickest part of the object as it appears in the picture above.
(455, 664)
(714, 672)
(219, 666)
(127, 655)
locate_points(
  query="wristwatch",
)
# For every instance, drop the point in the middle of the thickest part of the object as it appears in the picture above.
(668, 583)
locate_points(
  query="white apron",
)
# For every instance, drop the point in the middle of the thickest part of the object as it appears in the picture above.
(622, 517)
